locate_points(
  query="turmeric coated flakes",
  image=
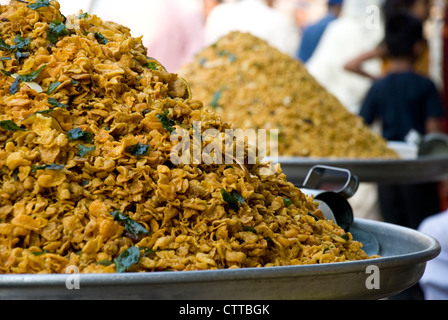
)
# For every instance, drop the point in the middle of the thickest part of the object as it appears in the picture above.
(253, 85)
(86, 178)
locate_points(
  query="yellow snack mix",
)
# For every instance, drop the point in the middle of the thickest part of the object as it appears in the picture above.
(253, 85)
(86, 177)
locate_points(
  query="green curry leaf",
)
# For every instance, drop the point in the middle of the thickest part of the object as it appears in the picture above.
(55, 103)
(131, 226)
(39, 4)
(25, 78)
(83, 150)
(56, 29)
(100, 38)
(10, 125)
(47, 167)
(233, 199)
(167, 123)
(127, 259)
(78, 134)
(138, 150)
(32, 75)
(52, 87)
(287, 202)
(151, 65)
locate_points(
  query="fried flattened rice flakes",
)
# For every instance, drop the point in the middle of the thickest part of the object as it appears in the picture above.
(254, 86)
(85, 173)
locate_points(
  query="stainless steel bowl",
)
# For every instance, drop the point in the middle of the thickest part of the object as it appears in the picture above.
(405, 171)
(411, 168)
(404, 252)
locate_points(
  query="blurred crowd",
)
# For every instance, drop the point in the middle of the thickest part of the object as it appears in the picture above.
(327, 35)
(174, 30)
(362, 51)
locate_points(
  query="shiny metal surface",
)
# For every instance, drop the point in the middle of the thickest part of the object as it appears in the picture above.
(317, 175)
(411, 168)
(333, 197)
(405, 171)
(404, 255)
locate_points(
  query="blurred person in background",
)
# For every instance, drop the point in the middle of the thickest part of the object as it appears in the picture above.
(342, 40)
(434, 281)
(442, 47)
(172, 30)
(419, 9)
(209, 5)
(428, 64)
(307, 12)
(313, 33)
(258, 17)
(302, 11)
(445, 59)
(405, 101)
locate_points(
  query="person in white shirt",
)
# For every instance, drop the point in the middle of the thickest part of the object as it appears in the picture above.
(434, 281)
(257, 17)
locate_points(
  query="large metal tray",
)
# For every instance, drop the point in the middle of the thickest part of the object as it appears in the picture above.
(408, 170)
(404, 252)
